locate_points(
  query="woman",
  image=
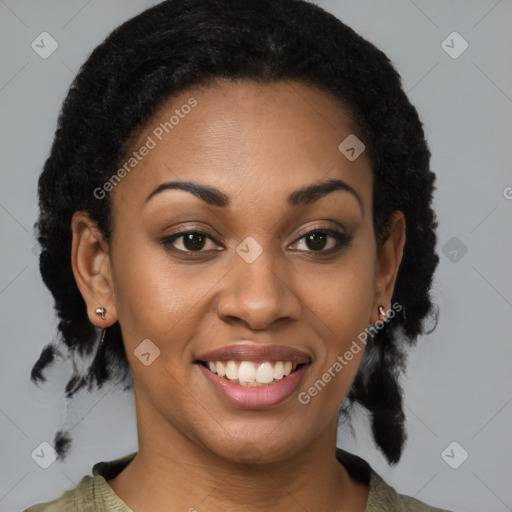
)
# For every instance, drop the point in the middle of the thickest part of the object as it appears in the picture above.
(236, 190)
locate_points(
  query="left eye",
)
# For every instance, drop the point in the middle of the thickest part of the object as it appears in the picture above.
(317, 239)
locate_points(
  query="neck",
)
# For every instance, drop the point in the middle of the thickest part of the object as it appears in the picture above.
(170, 468)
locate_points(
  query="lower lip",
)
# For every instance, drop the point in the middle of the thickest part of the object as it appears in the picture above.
(255, 397)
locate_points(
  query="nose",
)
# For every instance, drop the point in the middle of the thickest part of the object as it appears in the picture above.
(258, 293)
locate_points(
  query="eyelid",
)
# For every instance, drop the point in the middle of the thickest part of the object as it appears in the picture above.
(193, 226)
(307, 230)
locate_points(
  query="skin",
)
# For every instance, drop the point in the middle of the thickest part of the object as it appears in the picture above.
(256, 144)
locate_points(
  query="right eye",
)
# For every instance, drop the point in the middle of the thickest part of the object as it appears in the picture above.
(191, 241)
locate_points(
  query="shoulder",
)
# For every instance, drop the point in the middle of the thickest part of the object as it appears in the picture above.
(92, 493)
(381, 495)
(79, 498)
(384, 497)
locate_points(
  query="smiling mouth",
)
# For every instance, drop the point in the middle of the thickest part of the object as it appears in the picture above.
(250, 373)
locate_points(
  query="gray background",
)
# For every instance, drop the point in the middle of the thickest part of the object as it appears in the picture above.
(458, 385)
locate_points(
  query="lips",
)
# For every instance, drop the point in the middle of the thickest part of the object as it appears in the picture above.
(256, 353)
(254, 376)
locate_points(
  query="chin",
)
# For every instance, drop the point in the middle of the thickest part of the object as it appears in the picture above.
(257, 449)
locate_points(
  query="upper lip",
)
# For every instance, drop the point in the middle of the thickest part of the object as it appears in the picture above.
(256, 353)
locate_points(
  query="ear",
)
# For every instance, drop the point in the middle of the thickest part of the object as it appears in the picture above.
(389, 256)
(90, 261)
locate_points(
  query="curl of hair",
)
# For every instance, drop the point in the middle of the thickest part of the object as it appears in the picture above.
(181, 43)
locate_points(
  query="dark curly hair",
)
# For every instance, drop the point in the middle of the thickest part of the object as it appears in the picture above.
(181, 43)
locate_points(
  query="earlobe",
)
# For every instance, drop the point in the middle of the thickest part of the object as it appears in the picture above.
(389, 257)
(90, 262)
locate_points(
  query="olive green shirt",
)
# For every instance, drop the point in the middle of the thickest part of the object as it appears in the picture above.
(94, 494)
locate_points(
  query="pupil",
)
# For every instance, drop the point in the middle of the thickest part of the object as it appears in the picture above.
(313, 237)
(191, 241)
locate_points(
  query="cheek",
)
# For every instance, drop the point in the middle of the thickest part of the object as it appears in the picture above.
(340, 307)
(145, 296)
(159, 299)
(342, 294)
(342, 298)
(340, 314)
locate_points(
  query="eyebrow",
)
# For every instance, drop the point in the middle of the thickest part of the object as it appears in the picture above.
(301, 197)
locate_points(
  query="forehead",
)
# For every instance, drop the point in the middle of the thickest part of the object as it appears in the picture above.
(248, 139)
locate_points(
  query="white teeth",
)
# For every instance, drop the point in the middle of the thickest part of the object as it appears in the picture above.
(265, 373)
(278, 370)
(220, 369)
(231, 370)
(248, 373)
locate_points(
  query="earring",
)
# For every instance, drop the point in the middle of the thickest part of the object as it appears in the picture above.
(382, 312)
(101, 312)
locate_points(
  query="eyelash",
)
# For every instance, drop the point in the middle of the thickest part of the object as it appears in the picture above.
(342, 240)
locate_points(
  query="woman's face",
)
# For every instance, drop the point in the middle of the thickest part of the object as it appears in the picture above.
(266, 283)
